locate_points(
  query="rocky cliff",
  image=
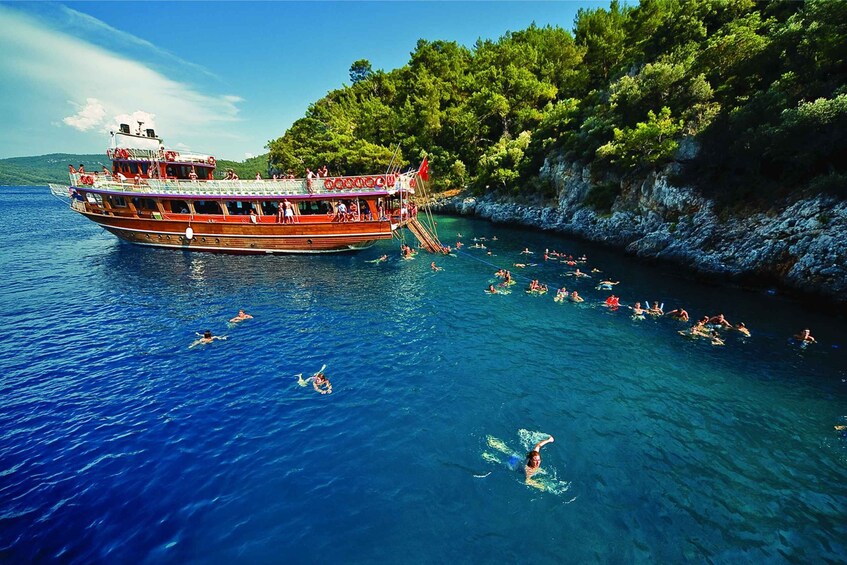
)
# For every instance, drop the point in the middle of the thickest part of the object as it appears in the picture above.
(801, 247)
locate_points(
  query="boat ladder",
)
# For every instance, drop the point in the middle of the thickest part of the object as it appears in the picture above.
(429, 240)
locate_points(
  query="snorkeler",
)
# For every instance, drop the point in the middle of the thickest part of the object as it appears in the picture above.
(205, 338)
(241, 317)
(321, 384)
(533, 459)
(319, 381)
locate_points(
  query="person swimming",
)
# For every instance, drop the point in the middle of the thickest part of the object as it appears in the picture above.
(491, 289)
(742, 329)
(575, 297)
(241, 317)
(533, 459)
(805, 336)
(606, 285)
(678, 314)
(319, 381)
(435, 267)
(206, 337)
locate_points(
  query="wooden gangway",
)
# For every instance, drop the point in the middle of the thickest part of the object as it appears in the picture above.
(428, 239)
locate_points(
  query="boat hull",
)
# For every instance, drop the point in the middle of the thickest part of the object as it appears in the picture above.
(245, 238)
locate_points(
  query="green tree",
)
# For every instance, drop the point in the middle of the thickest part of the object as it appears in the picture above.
(360, 70)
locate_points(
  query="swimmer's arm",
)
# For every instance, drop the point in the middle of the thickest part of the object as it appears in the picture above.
(540, 444)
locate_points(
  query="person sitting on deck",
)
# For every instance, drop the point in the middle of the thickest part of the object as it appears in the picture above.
(192, 175)
(71, 169)
(81, 169)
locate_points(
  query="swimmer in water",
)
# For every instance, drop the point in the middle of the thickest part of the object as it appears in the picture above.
(678, 314)
(575, 297)
(805, 337)
(319, 381)
(720, 321)
(241, 317)
(742, 329)
(607, 285)
(533, 459)
(205, 338)
(491, 289)
(526, 251)
(321, 384)
(435, 267)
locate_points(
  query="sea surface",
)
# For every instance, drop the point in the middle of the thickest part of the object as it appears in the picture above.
(119, 443)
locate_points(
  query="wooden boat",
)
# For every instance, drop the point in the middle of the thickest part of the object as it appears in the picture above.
(160, 197)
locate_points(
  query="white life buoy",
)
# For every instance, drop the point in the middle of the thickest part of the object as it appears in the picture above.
(189, 233)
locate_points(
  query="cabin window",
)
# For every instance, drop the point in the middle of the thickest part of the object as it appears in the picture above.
(138, 168)
(177, 206)
(145, 204)
(117, 201)
(94, 198)
(207, 207)
(313, 207)
(270, 208)
(239, 208)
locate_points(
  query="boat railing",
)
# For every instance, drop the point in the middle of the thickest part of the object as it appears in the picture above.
(163, 155)
(265, 187)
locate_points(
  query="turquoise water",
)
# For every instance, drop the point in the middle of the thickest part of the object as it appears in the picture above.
(119, 443)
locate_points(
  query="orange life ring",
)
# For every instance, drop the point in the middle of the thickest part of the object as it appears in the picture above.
(390, 180)
(170, 156)
(328, 184)
(358, 182)
(348, 183)
(369, 182)
(412, 183)
(338, 184)
(212, 161)
(379, 182)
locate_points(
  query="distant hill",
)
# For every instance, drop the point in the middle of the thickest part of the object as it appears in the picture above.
(43, 169)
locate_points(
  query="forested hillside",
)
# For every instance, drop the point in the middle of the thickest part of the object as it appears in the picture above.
(54, 168)
(760, 86)
(46, 168)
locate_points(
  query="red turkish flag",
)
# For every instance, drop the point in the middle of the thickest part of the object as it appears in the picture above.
(423, 172)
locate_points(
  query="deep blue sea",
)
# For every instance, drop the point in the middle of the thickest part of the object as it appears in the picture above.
(120, 444)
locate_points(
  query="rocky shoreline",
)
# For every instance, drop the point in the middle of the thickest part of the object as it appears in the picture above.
(800, 248)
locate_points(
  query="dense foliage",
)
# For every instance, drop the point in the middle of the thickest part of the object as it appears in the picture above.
(760, 86)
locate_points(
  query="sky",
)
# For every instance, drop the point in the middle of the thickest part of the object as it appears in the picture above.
(222, 78)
